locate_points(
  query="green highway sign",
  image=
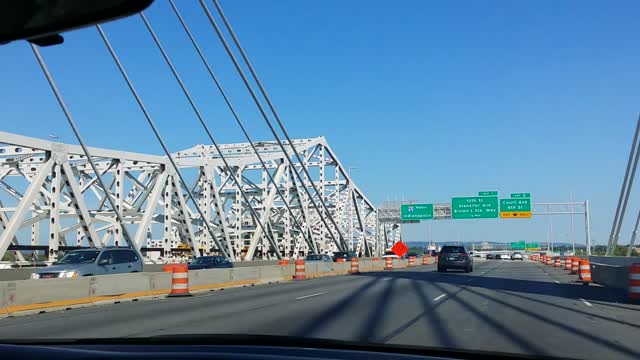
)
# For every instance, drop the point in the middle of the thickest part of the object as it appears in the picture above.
(510, 205)
(474, 207)
(416, 212)
(515, 208)
(520, 195)
(533, 246)
(521, 245)
(488, 193)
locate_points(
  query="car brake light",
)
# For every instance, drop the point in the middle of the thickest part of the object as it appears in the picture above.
(464, 255)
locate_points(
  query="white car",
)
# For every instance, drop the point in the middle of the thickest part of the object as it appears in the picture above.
(505, 257)
(517, 256)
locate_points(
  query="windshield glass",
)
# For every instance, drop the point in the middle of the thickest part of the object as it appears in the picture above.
(79, 257)
(452, 174)
(452, 249)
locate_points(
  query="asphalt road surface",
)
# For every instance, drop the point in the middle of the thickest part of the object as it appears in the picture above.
(520, 307)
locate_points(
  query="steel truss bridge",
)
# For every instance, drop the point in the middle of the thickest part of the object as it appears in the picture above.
(50, 200)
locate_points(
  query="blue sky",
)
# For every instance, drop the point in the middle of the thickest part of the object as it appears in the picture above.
(428, 99)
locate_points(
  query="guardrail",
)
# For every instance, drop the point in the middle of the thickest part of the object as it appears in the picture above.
(22, 297)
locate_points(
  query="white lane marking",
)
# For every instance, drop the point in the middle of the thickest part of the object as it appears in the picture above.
(586, 302)
(312, 295)
(557, 282)
(439, 297)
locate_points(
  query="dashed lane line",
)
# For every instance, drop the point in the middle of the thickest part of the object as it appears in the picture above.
(439, 297)
(312, 295)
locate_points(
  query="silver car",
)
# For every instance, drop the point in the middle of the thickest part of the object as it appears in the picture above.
(90, 262)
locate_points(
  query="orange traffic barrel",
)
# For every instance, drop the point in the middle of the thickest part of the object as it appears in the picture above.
(567, 263)
(283, 262)
(355, 268)
(548, 260)
(557, 262)
(425, 260)
(388, 264)
(375, 258)
(179, 279)
(575, 265)
(340, 260)
(299, 274)
(634, 281)
(412, 261)
(585, 271)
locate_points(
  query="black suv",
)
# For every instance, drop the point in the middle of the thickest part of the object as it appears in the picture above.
(454, 257)
(346, 255)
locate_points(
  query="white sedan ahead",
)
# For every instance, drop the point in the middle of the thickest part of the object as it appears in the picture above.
(505, 257)
(517, 256)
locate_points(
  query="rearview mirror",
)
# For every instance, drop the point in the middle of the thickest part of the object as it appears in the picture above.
(42, 21)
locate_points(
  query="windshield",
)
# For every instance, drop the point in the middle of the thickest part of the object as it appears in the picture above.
(452, 249)
(79, 257)
(452, 174)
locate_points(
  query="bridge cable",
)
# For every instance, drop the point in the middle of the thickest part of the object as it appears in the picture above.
(85, 149)
(161, 141)
(275, 114)
(209, 134)
(241, 125)
(341, 244)
(623, 190)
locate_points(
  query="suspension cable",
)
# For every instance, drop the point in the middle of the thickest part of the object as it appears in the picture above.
(275, 114)
(340, 244)
(209, 133)
(240, 124)
(85, 149)
(160, 140)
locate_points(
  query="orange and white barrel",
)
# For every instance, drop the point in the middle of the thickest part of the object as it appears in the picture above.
(300, 271)
(283, 262)
(567, 263)
(575, 265)
(634, 281)
(355, 267)
(375, 258)
(557, 262)
(388, 263)
(548, 261)
(179, 279)
(425, 260)
(341, 260)
(412, 261)
(585, 271)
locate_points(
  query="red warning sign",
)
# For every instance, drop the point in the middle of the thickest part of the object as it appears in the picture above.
(400, 248)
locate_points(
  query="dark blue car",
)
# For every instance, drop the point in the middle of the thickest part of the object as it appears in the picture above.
(210, 262)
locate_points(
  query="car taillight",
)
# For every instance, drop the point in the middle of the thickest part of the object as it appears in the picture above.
(464, 255)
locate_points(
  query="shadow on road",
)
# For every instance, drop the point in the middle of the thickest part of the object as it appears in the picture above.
(569, 291)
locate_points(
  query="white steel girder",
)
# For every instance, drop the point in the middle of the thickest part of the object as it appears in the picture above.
(53, 186)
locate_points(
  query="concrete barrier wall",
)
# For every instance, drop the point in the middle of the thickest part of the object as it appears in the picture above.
(612, 271)
(32, 296)
(610, 275)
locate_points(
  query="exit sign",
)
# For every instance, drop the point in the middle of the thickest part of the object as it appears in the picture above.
(488, 193)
